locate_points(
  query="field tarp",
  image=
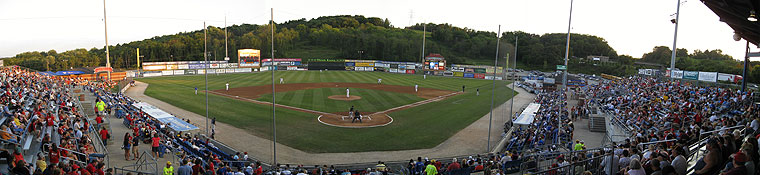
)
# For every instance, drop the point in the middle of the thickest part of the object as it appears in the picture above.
(174, 122)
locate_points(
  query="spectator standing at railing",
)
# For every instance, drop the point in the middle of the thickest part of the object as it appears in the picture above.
(127, 145)
(155, 142)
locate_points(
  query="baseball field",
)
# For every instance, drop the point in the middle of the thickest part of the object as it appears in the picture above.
(420, 119)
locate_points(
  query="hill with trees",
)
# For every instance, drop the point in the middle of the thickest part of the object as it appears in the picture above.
(359, 37)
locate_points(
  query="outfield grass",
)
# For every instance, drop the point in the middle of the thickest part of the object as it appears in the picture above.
(420, 127)
(316, 99)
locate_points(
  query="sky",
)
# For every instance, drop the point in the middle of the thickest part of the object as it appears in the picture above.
(630, 27)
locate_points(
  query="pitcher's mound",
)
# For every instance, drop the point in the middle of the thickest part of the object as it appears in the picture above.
(368, 121)
(344, 98)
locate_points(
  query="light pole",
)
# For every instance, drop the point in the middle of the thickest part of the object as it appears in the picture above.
(675, 37)
(274, 124)
(105, 27)
(564, 76)
(205, 71)
(514, 80)
(493, 89)
(567, 47)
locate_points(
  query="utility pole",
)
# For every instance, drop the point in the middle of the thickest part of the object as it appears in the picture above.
(493, 89)
(105, 26)
(675, 37)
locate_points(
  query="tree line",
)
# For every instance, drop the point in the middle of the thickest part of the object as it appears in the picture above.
(359, 37)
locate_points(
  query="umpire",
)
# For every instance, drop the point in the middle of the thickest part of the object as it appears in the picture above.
(357, 115)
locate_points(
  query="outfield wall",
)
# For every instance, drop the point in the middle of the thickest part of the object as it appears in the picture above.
(154, 69)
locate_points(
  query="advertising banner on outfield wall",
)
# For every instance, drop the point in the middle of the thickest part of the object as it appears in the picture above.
(677, 74)
(183, 66)
(469, 75)
(725, 77)
(167, 72)
(691, 75)
(410, 71)
(153, 67)
(459, 74)
(201, 71)
(179, 72)
(480, 76)
(190, 72)
(708, 76)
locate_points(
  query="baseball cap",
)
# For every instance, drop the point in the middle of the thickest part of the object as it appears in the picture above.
(740, 157)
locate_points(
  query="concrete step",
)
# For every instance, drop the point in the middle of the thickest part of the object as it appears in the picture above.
(597, 124)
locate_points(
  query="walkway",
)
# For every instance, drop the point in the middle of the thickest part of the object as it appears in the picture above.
(471, 140)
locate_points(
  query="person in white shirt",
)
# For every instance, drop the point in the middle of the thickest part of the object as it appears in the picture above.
(610, 163)
(282, 81)
(379, 80)
(227, 86)
(635, 168)
(679, 163)
(348, 93)
(415, 88)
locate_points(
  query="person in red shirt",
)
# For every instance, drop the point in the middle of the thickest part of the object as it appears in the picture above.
(454, 165)
(54, 154)
(99, 119)
(155, 143)
(104, 136)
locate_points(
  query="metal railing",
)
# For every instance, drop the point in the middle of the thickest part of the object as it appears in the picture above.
(94, 131)
(593, 165)
(543, 162)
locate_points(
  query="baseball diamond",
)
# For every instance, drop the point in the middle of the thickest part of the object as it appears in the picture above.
(304, 97)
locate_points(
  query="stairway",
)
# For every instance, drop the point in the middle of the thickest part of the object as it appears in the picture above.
(597, 124)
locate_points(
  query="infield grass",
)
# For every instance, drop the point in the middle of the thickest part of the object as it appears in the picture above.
(420, 127)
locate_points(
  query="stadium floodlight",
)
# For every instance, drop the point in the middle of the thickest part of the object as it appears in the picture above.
(752, 16)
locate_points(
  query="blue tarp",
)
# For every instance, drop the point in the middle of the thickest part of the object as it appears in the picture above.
(177, 124)
(68, 72)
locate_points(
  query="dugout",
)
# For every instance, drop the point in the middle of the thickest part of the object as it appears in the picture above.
(326, 64)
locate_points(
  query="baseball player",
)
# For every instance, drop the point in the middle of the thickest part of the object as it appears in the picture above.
(477, 92)
(424, 76)
(227, 87)
(415, 88)
(196, 90)
(282, 81)
(348, 93)
(351, 111)
(379, 80)
(357, 116)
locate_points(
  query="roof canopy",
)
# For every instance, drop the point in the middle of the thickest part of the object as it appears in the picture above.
(735, 13)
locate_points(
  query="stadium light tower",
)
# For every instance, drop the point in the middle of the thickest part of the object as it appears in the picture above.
(567, 47)
(105, 27)
(675, 37)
